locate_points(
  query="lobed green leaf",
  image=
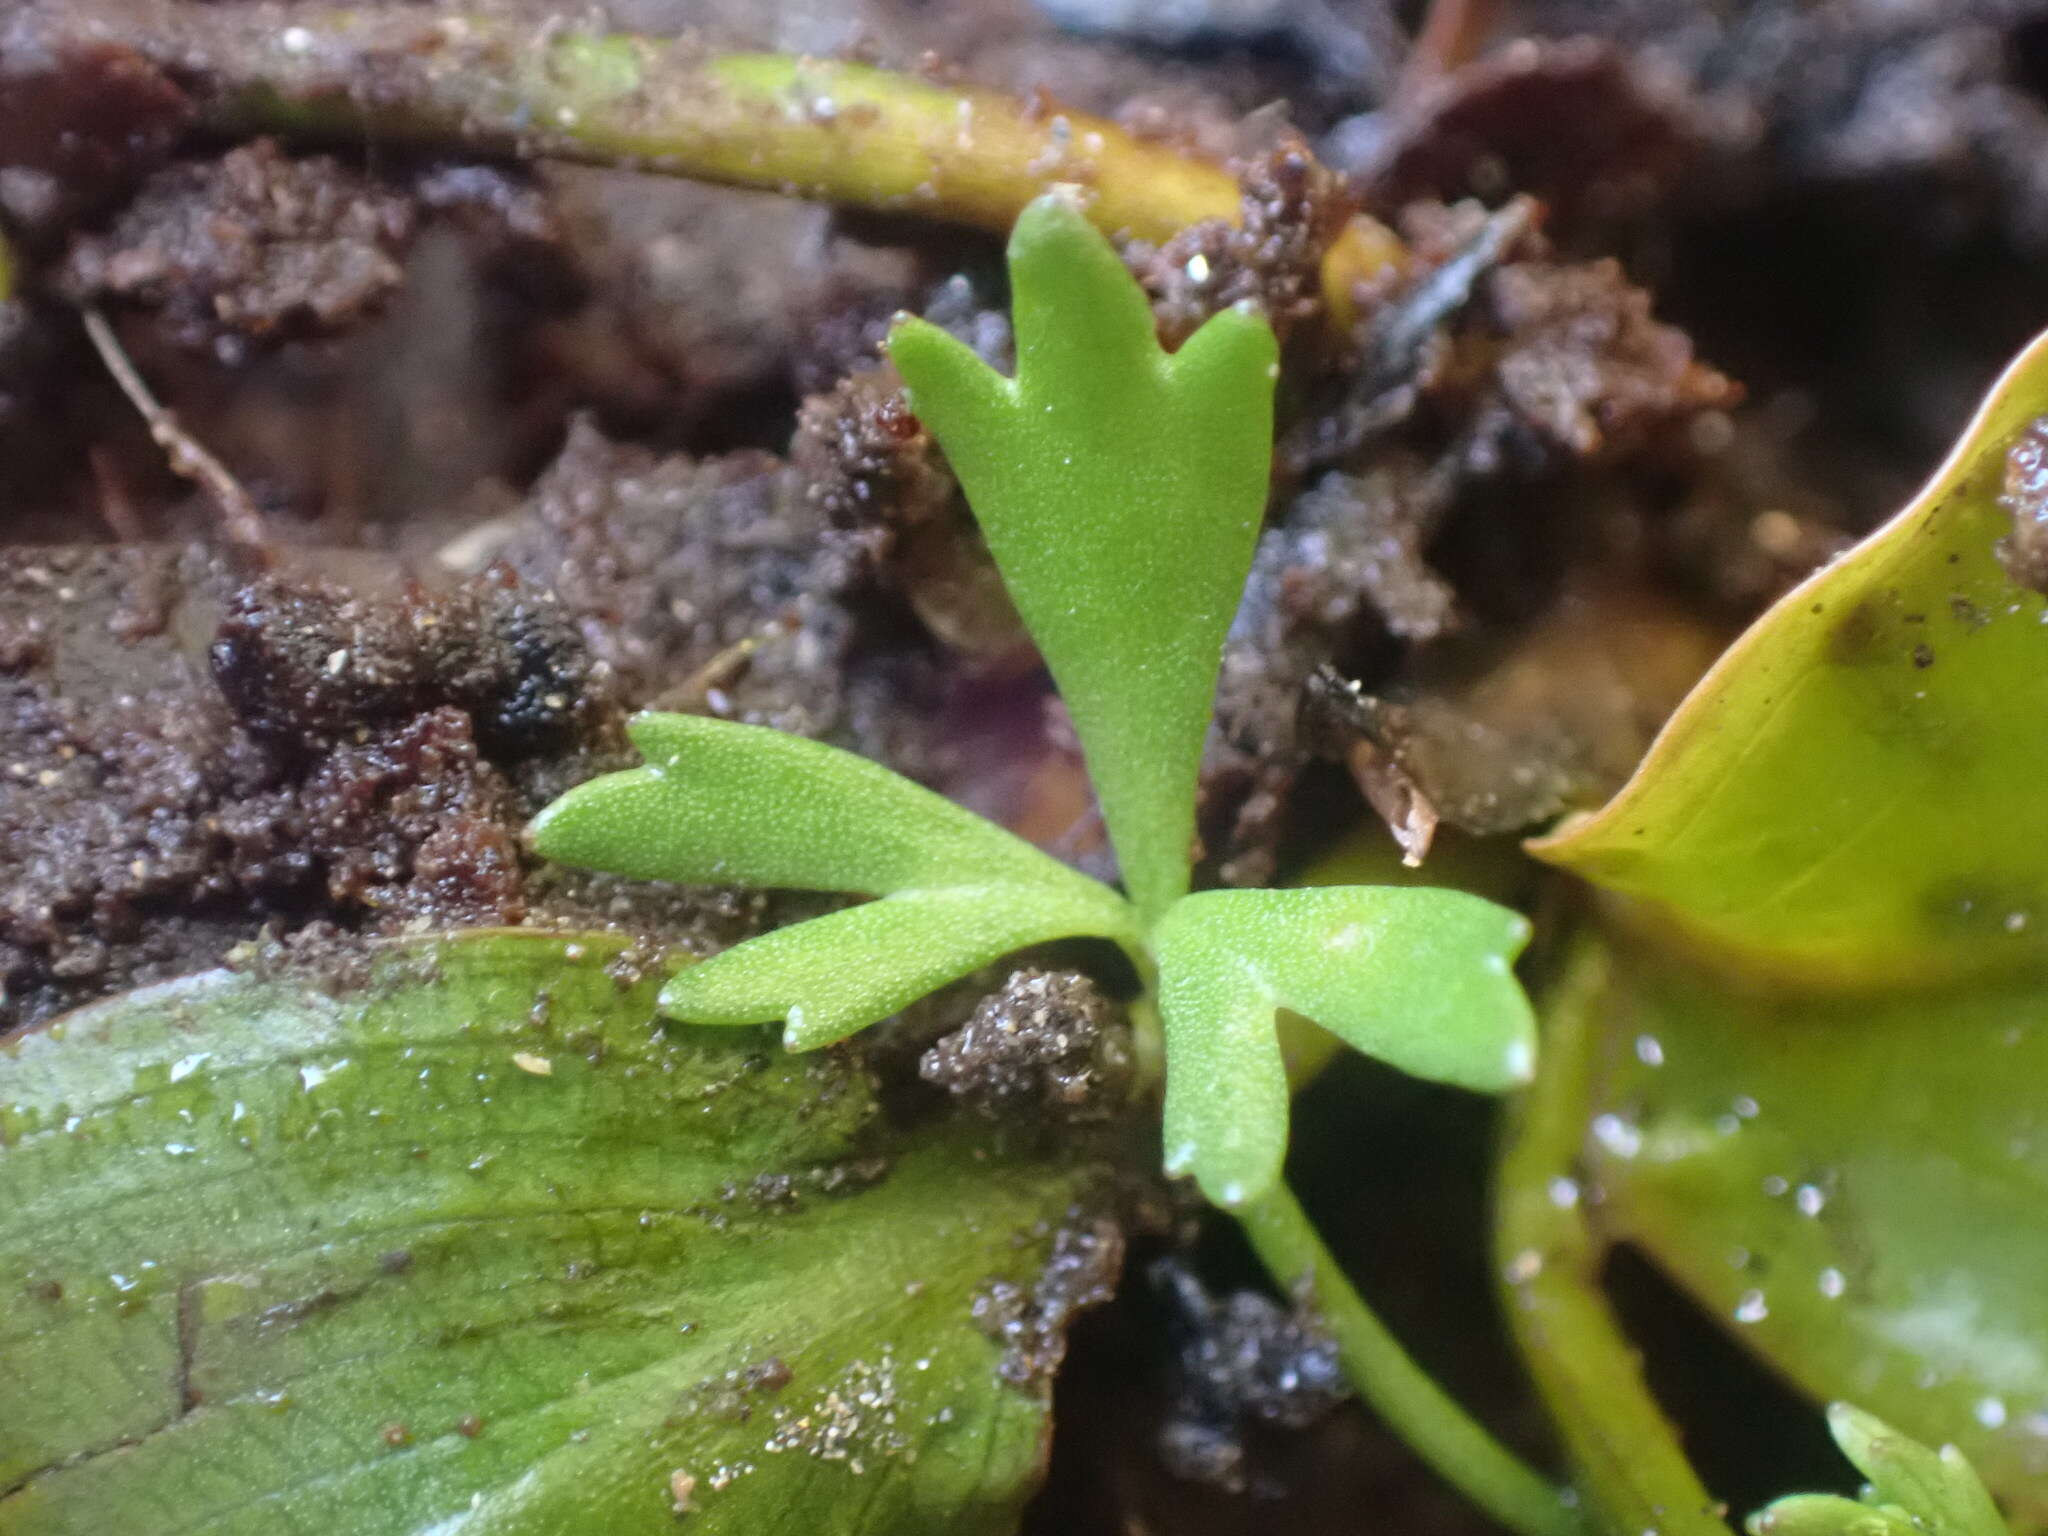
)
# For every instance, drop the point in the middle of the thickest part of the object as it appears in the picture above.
(721, 803)
(1121, 491)
(828, 977)
(1421, 979)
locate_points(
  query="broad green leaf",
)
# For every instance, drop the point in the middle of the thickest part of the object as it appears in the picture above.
(828, 977)
(1855, 1188)
(478, 1247)
(1121, 491)
(1913, 1491)
(1854, 793)
(1420, 979)
(721, 803)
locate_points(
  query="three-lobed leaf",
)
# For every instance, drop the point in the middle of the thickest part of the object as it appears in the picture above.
(1853, 793)
(1121, 489)
(720, 803)
(1420, 979)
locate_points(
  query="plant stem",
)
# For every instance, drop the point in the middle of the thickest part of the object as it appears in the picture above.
(420, 76)
(1625, 1451)
(1395, 1387)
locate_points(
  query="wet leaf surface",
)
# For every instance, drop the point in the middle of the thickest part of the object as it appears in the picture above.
(480, 1246)
(1852, 795)
(1854, 1188)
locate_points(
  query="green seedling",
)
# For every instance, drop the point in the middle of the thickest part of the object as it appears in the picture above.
(1121, 489)
(1913, 1491)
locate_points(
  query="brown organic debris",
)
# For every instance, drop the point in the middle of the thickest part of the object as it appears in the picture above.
(1048, 1042)
(255, 243)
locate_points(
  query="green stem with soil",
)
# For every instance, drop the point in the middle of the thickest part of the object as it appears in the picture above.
(840, 132)
(1404, 1395)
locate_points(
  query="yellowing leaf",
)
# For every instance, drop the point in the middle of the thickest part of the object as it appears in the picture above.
(1854, 794)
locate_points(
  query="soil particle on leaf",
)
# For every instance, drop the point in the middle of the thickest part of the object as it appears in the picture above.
(1031, 1322)
(1241, 1359)
(1048, 1042)
(256, 242)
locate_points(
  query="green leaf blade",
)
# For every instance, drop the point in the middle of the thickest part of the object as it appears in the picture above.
(428, 1258)
(729, 804)
(1852, 795)
(1226, 1083)
(1877, 1159)
(1421, 979)
(1121, 492)
(833, 975)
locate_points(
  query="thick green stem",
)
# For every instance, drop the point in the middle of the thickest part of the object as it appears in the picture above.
(1624, 1449)
(1399, 1390)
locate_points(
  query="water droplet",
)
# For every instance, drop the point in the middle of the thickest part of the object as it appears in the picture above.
(1617, 1135)
(1832, 1283)
(1564, 1192)
(1990, 1412)
(1744, 1106)
(311, 1077)
(1649, 1051)
(1776, 1184)
(185, 1066)
(1811, 1199)
(1520, 1061)
(1752, 1308)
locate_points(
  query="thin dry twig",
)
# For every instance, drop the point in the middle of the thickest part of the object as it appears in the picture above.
(240, 521)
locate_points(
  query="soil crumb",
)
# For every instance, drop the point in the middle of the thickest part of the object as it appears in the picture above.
(189, 760)
(1242, 1359)
(256, 243)
(1049, 1041)
(1032, 1322)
